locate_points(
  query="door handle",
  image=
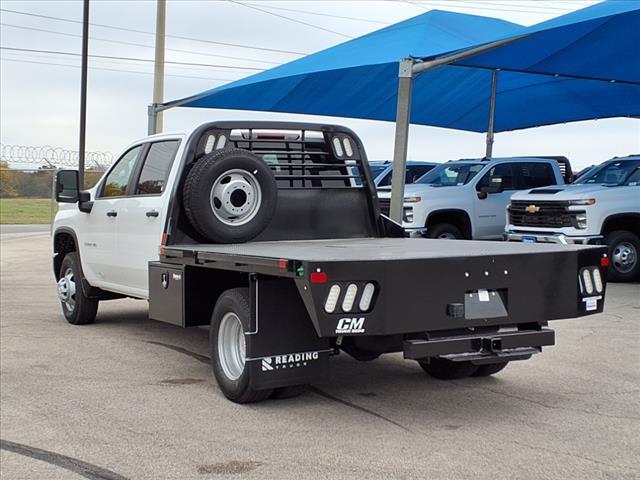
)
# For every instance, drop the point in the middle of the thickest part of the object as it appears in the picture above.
(112, 213)
(152, 213)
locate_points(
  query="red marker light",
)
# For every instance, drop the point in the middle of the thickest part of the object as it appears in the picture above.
(604, 261)
(318, 277)
(282, 264)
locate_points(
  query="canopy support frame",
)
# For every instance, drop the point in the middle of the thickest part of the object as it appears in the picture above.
(403, 114)
(492, 114)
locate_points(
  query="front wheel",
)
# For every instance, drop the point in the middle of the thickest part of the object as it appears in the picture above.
(444, 231)
(77, 308)
(228, 348)
(624, 252)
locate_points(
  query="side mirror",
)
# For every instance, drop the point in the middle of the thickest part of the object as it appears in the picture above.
(495, 186)
(66, 186)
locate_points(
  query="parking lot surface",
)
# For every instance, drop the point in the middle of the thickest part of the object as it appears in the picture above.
(130, 398)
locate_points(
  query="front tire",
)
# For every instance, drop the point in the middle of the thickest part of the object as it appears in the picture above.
(443, 369)
(227, 347)
(624, 256)
(444, 231)
(77, 308)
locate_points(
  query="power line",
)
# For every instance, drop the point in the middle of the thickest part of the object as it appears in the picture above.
(131, 59)
(4, 59)
(307, 12)
(419, 4)
(122, 42)
(253, 7)
(193, 39)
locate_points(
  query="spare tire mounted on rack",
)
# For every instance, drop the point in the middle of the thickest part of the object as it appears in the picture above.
(230, 196)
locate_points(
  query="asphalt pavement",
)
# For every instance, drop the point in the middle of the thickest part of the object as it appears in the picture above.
(130, 398)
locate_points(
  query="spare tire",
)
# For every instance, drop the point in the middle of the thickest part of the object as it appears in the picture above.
(230, 196)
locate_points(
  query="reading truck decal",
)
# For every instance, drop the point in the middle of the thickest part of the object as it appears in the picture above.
(289, 360)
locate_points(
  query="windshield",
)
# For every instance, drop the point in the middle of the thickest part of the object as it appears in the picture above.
(377, 170)
(615, 172)
(451, 174)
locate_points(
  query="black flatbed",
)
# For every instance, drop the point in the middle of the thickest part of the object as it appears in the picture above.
(360, 249)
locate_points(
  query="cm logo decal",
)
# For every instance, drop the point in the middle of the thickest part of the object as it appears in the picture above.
(350, 325)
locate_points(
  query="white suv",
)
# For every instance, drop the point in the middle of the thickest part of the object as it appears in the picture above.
(602, 205)
(468, 198)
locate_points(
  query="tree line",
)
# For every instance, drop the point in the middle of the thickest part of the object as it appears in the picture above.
(35, 183)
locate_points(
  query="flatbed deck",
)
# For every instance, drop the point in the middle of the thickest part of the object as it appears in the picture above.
(362, 249)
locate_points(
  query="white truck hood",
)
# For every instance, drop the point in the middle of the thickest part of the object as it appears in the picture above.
(561, 192)
(415, 189)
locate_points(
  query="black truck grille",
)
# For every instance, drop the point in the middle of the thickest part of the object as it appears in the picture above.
(385, 205)
(541, 214)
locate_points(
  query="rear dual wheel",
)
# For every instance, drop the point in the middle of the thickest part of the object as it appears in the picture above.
(444, 369)
(228, 351)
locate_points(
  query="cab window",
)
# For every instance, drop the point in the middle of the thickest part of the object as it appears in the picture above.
(156, 168)
(118, 179)
(503, 170)
(533, 175)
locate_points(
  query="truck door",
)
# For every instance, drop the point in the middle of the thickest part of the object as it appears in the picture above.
(142, 215)
(98, 235)
(490, 211)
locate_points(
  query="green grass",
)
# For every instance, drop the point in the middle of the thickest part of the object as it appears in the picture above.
(25, 210)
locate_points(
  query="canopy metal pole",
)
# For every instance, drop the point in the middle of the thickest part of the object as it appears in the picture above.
(152, 118)
(158, 72)
(492, 114)
(83, 93)
(403, 117)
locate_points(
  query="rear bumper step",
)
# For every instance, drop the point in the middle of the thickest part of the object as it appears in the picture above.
(479, 348)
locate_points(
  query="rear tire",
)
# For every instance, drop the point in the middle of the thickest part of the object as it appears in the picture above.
(77, 308)
(624, 256)
(231, 316)
(447, 370)
(489, 369)
(291, 391)
(230, 196)
(444, 231)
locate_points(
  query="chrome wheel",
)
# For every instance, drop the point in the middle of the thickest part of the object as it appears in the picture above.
(235, 197)
(67, 290)
(624, 257)
(447, 236)
(231, 346)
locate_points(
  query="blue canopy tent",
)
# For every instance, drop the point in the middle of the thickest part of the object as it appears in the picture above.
(458, 71)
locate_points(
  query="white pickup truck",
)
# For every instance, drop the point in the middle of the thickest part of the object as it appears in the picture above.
(258, 230)
(603, 205)
(466, 199)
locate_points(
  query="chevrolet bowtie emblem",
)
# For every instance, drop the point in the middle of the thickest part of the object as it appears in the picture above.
(532, 209)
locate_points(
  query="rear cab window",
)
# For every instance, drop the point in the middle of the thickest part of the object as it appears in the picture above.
(534, 175)
(156, 168)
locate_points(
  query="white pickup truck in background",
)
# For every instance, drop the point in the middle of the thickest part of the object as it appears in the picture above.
(601, 206)
(466, 199)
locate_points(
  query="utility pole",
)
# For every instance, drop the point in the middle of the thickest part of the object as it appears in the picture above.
(83, 93)
(158, 72)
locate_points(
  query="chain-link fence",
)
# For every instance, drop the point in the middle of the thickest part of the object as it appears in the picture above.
(26, 179)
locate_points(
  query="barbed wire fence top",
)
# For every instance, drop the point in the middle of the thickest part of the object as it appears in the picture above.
(23, 156)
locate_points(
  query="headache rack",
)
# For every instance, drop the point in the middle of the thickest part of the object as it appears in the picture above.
(313, 156)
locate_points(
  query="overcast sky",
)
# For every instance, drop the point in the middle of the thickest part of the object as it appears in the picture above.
(39, 102)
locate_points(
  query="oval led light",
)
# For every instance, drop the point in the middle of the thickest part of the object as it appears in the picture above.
(222, 140)
(337, 146)
(349, 297)
(588, 284)
(367, 296)
(332, 299)
(597, 280)
(347, 147)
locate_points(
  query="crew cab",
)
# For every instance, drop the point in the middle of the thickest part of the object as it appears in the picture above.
(466, 199)
(601, 206)
(258, 230)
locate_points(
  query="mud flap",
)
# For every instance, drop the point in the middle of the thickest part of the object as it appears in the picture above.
(282, 345)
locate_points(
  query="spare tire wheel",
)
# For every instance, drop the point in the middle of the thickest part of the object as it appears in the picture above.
(230, 196)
